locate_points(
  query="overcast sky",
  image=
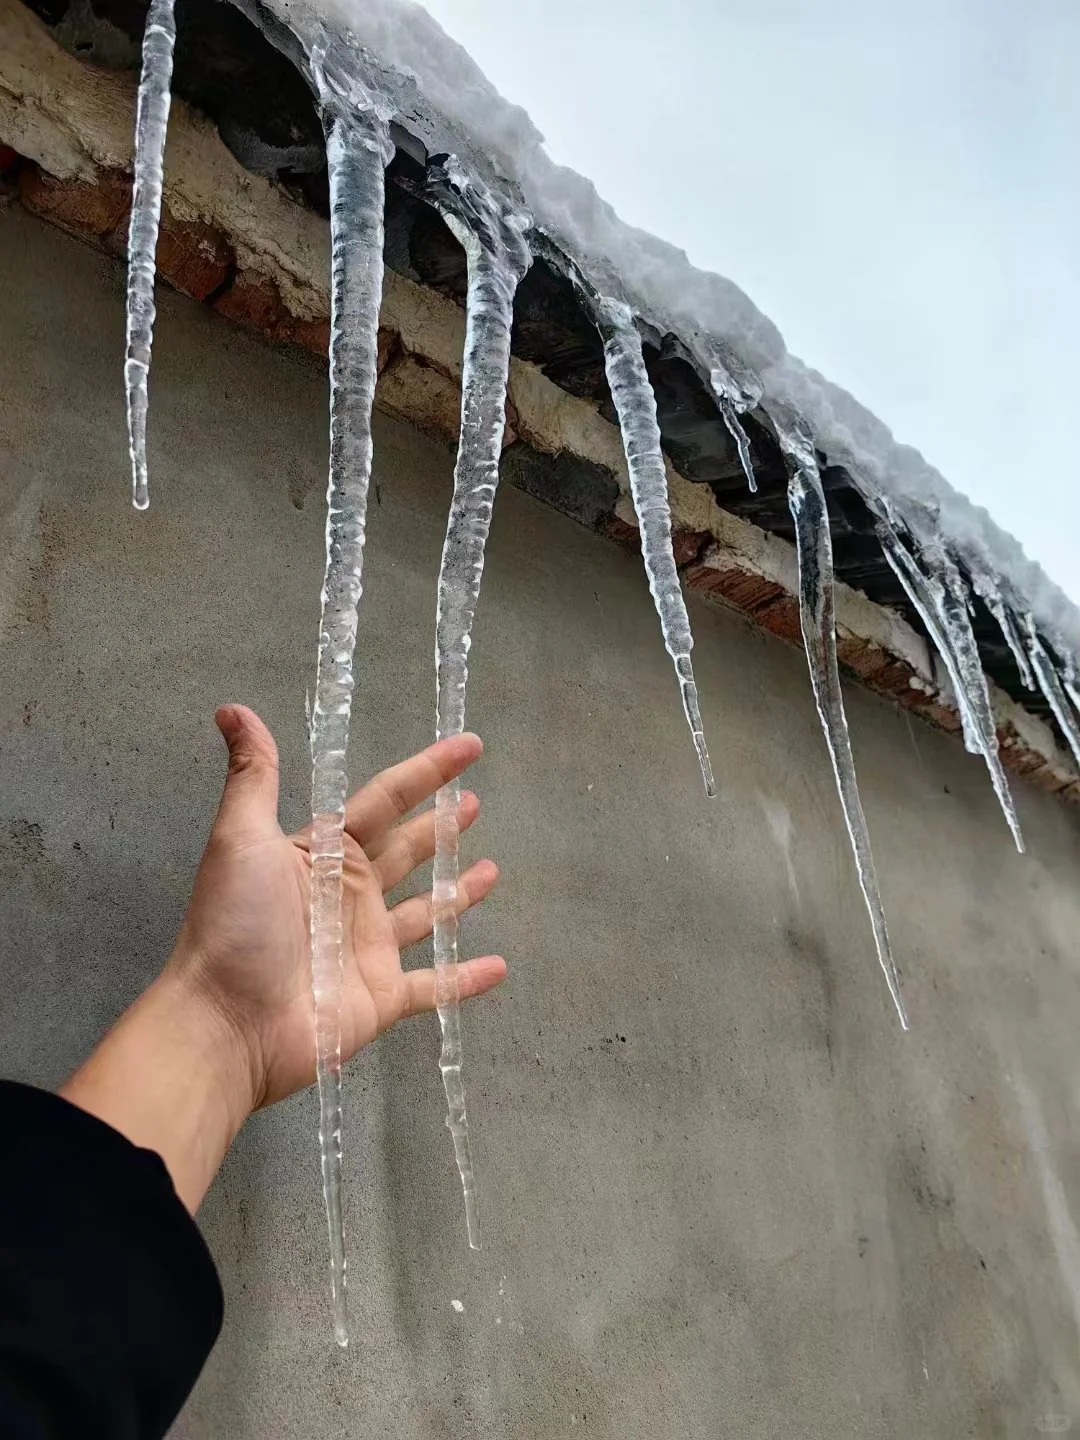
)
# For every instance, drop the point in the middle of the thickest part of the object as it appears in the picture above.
(896, 185)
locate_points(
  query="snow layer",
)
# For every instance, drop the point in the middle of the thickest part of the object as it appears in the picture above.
(659, 282)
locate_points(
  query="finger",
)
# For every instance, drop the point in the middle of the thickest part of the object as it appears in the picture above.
(409, 844)
(474, 977)
(413, 918)
(250, 797)
(393, 793)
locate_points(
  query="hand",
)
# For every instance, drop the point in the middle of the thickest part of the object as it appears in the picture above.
(245, 944)
(228, 1025)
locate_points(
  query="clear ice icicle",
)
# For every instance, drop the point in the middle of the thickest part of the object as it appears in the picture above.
(1072, 688)
(151, 124)
(1051, 686)
(940, 596)
(636, 406)
(724, 392)
(498, 257)
(358, 148)
(995, 602)
(806, 500)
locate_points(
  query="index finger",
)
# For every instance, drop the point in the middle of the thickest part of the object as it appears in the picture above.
(394, 792)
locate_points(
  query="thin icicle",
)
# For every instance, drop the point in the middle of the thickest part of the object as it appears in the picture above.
(358, 148)
(742, 440)
(730, 402)
(806, 500)
(940, 596)
(1072, 688)
(151, 124)
(995, 602)
(636, 407)
(1051, 686)
(497, 259)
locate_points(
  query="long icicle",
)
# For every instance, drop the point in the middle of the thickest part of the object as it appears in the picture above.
(497, 259)
(636, 406)
(806, 500)
(940, 597)
(358, 148)
(151, 125)
(1051, 686)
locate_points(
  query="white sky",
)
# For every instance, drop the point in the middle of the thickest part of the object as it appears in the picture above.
(896, 185)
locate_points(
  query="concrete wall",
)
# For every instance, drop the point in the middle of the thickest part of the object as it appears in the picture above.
(723, 1194)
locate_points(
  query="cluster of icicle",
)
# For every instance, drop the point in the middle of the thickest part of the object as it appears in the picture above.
(495, 237)
(499, 243)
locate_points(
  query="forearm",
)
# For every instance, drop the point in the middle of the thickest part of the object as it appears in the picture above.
(171, 1077)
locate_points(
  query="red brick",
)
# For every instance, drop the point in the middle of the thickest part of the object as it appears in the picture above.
(622, 531)
(255, 301)
(78, 206)
(194, 258)
(781, 617)
(1047, 780)
(930, 708)
(744, 589)
(686, 545)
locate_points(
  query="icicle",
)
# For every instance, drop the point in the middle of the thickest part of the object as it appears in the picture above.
(151, 123)
(497, 259)
(806, 500)
(636, 407)
(1051, 686)
(992, 597)
(358, 148)
(940, 596)
(742, 440)
(1072, 687)
(730, 403)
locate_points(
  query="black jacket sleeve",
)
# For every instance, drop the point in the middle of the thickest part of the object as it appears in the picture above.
(109, 1301)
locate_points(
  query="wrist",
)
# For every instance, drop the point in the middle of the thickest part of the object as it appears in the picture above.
(173, 1076)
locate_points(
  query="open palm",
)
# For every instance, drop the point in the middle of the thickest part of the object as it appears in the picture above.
(245, 938)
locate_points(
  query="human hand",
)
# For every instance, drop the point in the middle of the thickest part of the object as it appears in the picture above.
(244, 946)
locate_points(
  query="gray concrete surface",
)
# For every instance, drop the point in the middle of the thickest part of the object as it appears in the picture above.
(723, 1194)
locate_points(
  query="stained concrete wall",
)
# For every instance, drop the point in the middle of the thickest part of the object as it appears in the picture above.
(723, 1194)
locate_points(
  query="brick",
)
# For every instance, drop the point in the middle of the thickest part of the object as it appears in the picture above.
(77, 206)
(686, 545)
(744, 589)
(1048, 780)
(781, 618)
(193, 257)
(255, 302)
(621, 530)
(930, 708)
(421, 394)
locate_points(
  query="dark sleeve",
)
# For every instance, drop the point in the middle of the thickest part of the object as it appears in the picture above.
(109, 1301)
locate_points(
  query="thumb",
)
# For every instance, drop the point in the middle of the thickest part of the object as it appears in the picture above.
(250, 799)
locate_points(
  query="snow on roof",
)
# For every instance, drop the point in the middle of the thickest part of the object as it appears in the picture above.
(666, 290)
